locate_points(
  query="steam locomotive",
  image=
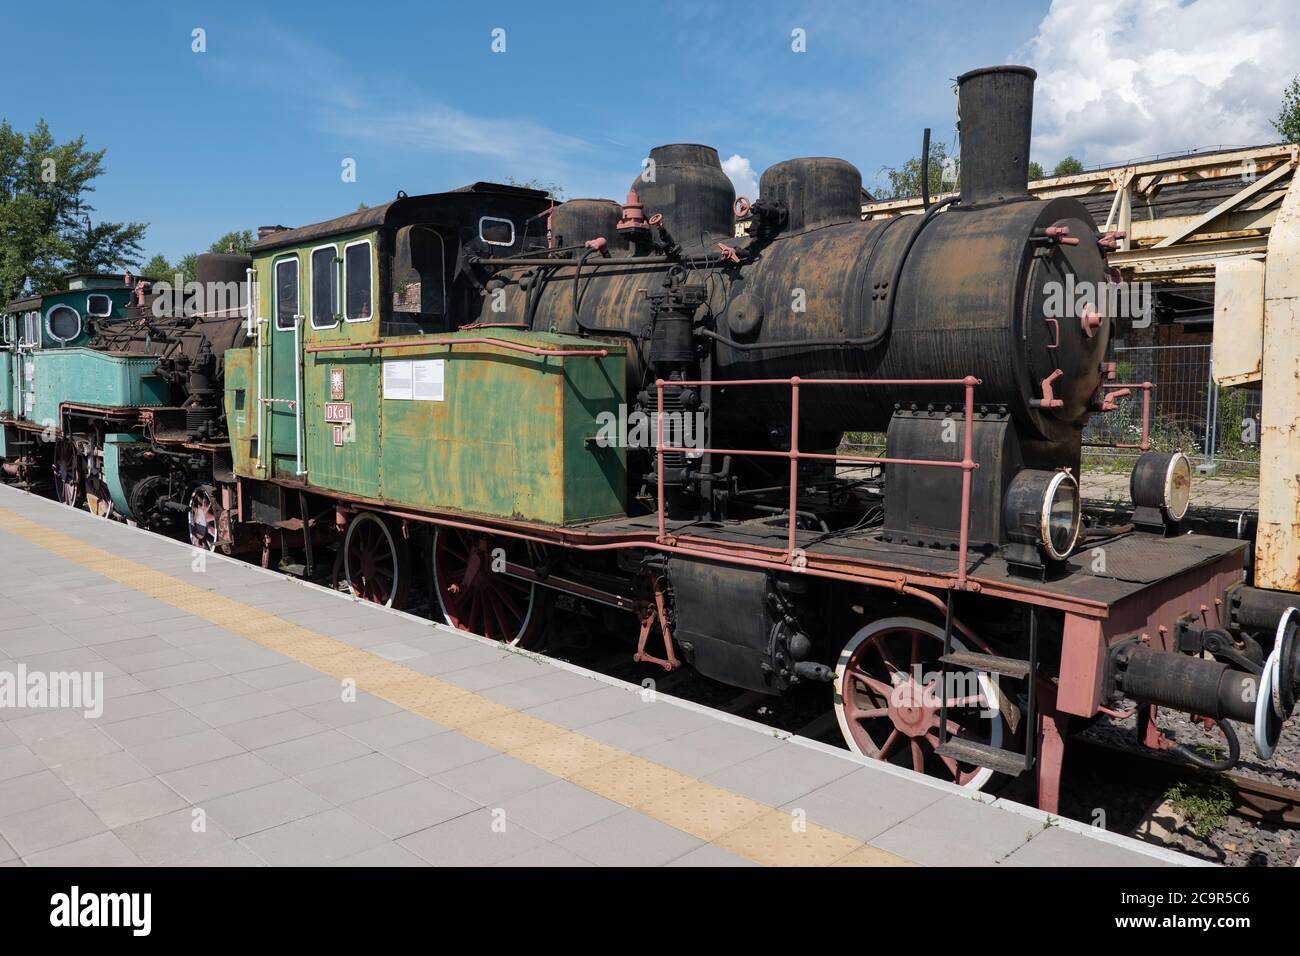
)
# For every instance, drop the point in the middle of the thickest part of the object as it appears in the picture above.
(482, 404)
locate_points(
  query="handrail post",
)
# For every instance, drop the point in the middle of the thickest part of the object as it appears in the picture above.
(794, 463)
(659, 454)
(967, 466)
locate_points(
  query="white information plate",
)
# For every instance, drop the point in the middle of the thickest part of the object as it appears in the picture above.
(397, 381)
(427, 380)
(418, 381)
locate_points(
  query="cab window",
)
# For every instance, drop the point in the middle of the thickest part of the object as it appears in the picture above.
(357, 281)
(286, 294)
(324, 288)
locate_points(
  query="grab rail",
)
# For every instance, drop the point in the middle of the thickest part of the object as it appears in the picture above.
(791, 555)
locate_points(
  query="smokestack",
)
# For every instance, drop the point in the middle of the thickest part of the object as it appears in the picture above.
(995, 113)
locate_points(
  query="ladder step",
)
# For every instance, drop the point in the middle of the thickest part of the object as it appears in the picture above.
(1007, 666)
(982, 755)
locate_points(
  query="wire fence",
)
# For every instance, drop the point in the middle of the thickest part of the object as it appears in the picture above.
(1217, 428)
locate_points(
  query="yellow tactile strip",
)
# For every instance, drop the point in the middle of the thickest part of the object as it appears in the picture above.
(736, 823)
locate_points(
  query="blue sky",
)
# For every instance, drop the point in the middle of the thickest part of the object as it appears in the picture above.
(255, 130)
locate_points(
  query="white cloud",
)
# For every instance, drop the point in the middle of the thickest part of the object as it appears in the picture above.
(1123, 79)
(742, 175)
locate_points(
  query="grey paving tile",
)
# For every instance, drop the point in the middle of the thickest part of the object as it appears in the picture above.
(206, 691)
(47, 723)
(782, 773)
(102, 849)
(49, 825)
(469, 654)
(171, 657)
(272, 729)
(134, 647)
(317, 690)
(590, 708)
(132, 802)
(305, 754)
(338, 713)
(391, 730)
(866, 802)
(475, 839)
(7, 852)
(281, 675)
(178, 674)
(956, 831)
(89, 774)
(647, 725)
(513, 668)
(31, 790)
(225, 854)
(1055, 846)
(434, 755)
(135, 705)
(235, 710)
(495, 779)
(357, 778)
(407, 809)
(161, 756)
(168, 839)
(557, 809)
(249, 811)
(710, 855)
(75, 745)
(546, 855)
(386, 854)
(18, 762)
(216, 778)
(629, 839)
(702, 752)
(161, 726)
(316, 840)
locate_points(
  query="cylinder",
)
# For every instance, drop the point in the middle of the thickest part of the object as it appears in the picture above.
(995, 111)
(815, 190)
(581, 220)
(684, 182)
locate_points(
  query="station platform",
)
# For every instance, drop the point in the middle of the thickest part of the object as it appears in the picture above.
(247, 719)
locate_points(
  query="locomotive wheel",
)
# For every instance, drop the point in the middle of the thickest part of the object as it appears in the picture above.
(887, 700)
(472, 597)
(67, 474)
(376, 561)
(204, 518)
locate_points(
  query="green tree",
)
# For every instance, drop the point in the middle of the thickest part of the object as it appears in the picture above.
(905, 181)
(1068, 167)
(1288, 117)
(240, 241)
(554, 190)
(1035, 171)
(46, 228)
(158, 268)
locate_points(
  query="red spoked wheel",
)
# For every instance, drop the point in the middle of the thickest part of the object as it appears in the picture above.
(376, 560)
(887, 700)
(204, 518)
(67, 474)
(476, 594)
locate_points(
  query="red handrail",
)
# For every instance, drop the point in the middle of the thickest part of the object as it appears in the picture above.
(459, 340)
(1125, 389)
(967, 464)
